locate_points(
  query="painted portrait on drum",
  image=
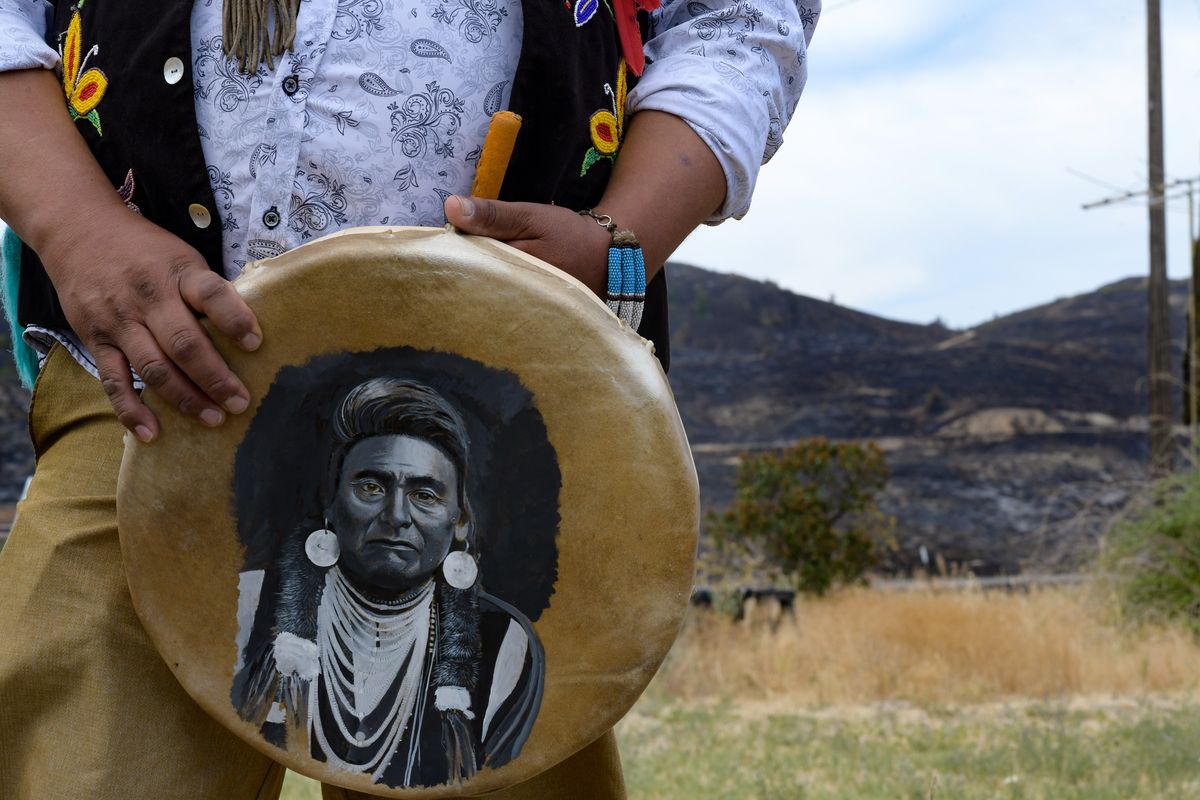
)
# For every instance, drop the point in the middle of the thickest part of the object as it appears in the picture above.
(399, 511)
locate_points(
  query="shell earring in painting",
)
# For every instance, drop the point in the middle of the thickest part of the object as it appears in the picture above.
(322, 547)
(460, 569)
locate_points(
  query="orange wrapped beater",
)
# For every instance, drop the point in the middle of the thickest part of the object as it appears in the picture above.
(497, 150)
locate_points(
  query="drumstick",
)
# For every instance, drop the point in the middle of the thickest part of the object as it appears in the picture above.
(497, 150)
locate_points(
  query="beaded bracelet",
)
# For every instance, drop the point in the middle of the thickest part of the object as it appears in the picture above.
(626, 271)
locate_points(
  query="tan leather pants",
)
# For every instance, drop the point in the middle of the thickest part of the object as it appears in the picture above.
(87, 707)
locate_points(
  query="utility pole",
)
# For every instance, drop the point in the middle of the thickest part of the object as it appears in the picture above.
(1158, 328)
(1158, 346)
(1194, 325)
(1191, 376)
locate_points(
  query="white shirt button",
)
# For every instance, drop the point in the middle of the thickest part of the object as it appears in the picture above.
(173, 70)
(200, 216)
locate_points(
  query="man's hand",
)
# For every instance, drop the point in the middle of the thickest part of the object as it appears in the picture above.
(573, 243)
(666, 182)
(129, 288)
(131, 291)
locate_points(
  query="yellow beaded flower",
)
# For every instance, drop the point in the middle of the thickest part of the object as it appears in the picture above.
(84, 88)
(607, 127)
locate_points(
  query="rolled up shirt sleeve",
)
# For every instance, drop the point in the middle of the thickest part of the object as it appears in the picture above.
(23, 35)
(733, 70)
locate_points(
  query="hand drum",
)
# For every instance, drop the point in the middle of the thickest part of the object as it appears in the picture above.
(451, 540)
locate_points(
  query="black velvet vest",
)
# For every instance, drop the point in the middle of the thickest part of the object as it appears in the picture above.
(147, 123)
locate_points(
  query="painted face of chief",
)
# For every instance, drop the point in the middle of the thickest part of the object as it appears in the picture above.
(396, 513)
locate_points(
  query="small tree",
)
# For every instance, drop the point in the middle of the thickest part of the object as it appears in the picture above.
(1150, 557)
(810, 510)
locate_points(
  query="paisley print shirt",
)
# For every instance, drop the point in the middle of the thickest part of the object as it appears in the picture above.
(380, 111)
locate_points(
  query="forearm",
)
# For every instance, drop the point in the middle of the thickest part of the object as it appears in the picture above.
(51, 188)
(666, 182)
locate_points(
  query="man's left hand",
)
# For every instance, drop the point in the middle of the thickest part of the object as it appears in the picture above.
(573, 243)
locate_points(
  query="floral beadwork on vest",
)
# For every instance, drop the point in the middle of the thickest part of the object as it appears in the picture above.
(586, 9)
(607, 127)
(84, 88)
(125, 192)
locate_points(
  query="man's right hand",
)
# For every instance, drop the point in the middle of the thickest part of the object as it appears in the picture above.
(131, 291)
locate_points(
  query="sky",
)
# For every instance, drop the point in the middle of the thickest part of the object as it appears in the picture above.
(936, 165)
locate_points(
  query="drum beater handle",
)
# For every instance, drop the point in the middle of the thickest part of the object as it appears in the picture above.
(497, 151)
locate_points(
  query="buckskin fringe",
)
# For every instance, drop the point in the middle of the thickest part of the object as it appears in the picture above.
(247, 31)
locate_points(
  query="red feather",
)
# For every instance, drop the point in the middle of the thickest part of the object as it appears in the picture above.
(630, 35)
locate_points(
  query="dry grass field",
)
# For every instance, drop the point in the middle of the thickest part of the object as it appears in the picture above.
(930, 647)
(926, 694)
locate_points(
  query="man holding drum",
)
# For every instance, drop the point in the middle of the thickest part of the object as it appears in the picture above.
(177, 163)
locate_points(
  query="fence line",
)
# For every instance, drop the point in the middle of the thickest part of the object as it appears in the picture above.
(704, 596)
(1004, 582)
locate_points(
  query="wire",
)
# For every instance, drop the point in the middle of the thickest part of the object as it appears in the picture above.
(1092, 179)
(1167, 186)
(1143, 202)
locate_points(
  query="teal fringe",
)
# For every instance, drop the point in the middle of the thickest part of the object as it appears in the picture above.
(24, 356)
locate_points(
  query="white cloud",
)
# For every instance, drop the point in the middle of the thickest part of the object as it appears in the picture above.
(940, 186)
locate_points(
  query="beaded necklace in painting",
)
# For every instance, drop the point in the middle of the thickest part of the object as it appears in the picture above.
(367, 648)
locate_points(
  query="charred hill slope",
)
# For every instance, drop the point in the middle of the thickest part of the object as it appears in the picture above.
(753, 362)
(1011, 444)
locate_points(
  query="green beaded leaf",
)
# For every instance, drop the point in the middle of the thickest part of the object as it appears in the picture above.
(589, 158)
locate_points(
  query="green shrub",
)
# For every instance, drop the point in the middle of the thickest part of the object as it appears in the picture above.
(810, 510)
(1152, 555)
